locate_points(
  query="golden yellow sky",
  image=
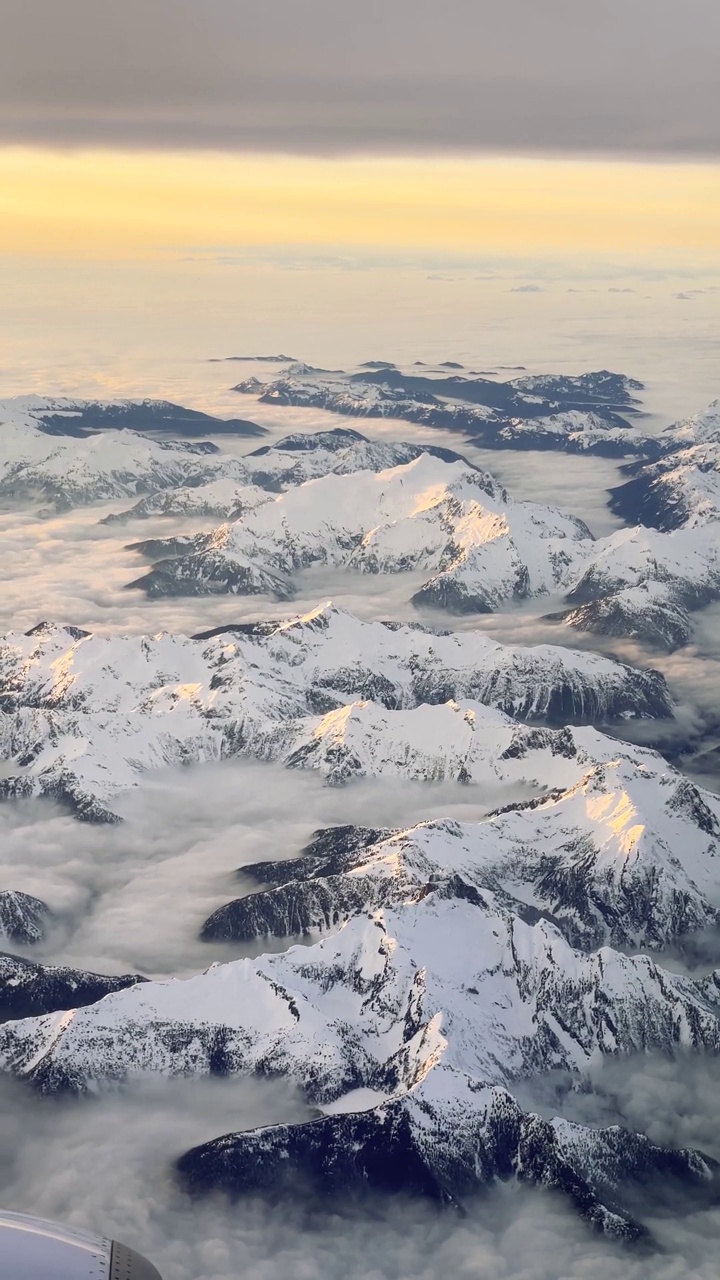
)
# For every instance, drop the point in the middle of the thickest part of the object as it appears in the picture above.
(122, 205)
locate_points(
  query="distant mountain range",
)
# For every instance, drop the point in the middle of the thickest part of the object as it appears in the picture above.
(572, 414)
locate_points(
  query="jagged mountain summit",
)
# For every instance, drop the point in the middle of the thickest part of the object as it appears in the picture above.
(291, 461)
(447, 963)
(435, 514)
(644, 584)
(623, 852)
(447, 519)
(681, 488)
(571, 414)
(406, 1029)
(337, 499)
(699, 428)
(83, 716)
(71, 453)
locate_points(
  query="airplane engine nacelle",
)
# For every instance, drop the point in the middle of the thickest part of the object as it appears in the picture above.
(32, 1249)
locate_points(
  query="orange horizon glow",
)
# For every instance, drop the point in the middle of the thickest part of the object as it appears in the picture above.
(118, 204)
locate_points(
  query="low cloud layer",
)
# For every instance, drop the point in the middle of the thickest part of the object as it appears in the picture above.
(104, 1164)
(328, 77)
(132, 898)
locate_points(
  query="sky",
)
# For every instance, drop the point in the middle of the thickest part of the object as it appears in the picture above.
(137, 203)
(127, 131)
(315, 76)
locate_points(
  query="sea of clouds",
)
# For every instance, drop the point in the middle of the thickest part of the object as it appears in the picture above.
(133, 897)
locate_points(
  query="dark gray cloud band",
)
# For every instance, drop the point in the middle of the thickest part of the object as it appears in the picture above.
(335, 76)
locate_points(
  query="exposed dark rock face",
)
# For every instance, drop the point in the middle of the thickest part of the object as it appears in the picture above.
(23, 919)
(650, 500)
(304, 895)
(532, 396)
(494, 414)
(657, 624)
(541, 857)
(29, 989)
(201, 575)
(156, 416)
(385, 1149)
(292, 910)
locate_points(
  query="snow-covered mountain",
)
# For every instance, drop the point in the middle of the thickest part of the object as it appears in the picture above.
(337, 499)
(681, 488)
(644, 584)
(699, 428)
(445, 518)
(57, 450)
(575, 415)
(624, 851)
(66, 416)
(445, 963)
(83, 716)
(404, 1145)
(406, 1029)
(438, 515)
(292, 461)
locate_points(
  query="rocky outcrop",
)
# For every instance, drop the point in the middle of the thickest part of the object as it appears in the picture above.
(29, 989)
(23, 918)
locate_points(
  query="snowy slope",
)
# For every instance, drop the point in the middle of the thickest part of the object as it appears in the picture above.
(66, 416)
(623, 851)
(681, 488)
(29, 989)
(428, 514)
(406, 1144)
(221, 497)
(432, 1008)
(84, 715)
(74, 469)
(644, 584)
(22, 917)
(446, 962)
(700, 428)
(292, 461)
(337, 499)
(437, 515)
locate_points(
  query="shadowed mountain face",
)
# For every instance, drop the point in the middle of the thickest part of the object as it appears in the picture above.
(29, 989)
(406, 1029)
(573, 415)
(681, 488)
(23, 918)
(530, 396)
(158, 417)
(348, 504)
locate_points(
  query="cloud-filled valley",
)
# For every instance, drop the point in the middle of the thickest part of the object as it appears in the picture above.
(342, 797)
